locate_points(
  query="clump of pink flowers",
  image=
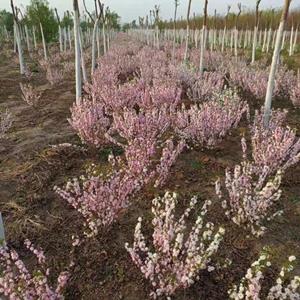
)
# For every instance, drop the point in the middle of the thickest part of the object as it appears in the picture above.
(30, 94)
(206, 124)
(90, 122)
(277, 146)
(169, 155)
(249, 199)
(206, 86)
(295, 91)
(147, 125)
(6, 121)
(54, 75)
(178, 254)
(17, 282)
(251, 285)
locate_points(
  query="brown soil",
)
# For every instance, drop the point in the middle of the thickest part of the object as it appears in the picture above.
(30, 168)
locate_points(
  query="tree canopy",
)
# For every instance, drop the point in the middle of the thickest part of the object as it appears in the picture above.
(39, 12)
(6, 19)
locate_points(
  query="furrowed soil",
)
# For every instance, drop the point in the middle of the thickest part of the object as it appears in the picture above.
(30, 167)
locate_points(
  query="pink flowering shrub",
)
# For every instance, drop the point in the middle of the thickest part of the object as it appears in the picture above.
(206, 86)
(251, 80)
(206, 124)
(147, 125)
(249, 199)
(6, 121)
(90, 122)
(18, 283)
(284, 82)
(100, 199)
(295, 92)
(276, 146)
(169, 155)
(54, 75)
(251, 285)
(178, 255)
(30, 94)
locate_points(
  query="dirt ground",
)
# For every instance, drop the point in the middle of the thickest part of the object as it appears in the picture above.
(30, 167)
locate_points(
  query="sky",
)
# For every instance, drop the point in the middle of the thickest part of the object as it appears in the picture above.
(132, 9)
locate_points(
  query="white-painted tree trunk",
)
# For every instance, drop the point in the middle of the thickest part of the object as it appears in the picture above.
(236, 36)
(44, 42)
(223, 39)
(84, 75)
(254, 45)
(60, 39)
(27, 39)
(271, 81)
(70, 38)
(104, 38)
(34, 37)
(65, 37)
(94, 45)
(202, 50)
(20, 50)
(15, 39)
(77, 56)
(291, 41)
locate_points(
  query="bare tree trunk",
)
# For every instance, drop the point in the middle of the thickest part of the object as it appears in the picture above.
(271, 81)
(255, 31)
(203, 34)
(187, 32)
(174, 29)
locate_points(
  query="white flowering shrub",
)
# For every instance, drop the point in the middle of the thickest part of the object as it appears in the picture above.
(249, 199)
(178, 254)
(250, 286)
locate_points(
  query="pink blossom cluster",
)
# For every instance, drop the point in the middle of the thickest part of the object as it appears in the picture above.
(18, 283)
(250, 197)
(147, 125)
(251, 285)
(178, 253)
(284, 82)
(100, 199)
(54, 75)
(169, 155)
(6, 121)
(275, 147)
(30, 94)
(251, 80)
(206, 86)
(295, 91)
(207, 123)
(90, 122)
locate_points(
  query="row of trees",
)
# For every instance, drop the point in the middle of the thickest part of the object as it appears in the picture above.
(247, 19)
(39, 12)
